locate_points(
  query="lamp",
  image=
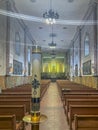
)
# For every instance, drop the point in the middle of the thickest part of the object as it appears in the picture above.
(50, 15)
(52, 44)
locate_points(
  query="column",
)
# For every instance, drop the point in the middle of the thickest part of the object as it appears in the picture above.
(80, 58)
(8, 7)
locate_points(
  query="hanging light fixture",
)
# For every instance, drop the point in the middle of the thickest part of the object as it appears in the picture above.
(50, 15)
(52, 44)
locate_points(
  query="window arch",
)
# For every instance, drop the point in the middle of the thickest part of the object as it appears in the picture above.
(17, 43)
(86, 45)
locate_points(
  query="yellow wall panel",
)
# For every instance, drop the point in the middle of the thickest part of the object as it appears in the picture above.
(54, 66)
(89, 81)
(2, 82)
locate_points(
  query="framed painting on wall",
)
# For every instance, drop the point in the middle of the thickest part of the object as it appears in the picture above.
(76, 70)
(87, 68)
(17, 67)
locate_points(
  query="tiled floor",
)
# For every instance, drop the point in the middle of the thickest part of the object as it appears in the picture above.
(51, 106)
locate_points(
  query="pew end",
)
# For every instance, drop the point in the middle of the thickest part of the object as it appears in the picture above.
(85, 122)
(8, 122)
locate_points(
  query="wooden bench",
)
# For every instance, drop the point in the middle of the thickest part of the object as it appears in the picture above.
(43, 89)
(80, 96)
(26, 102)
(78, 89)
(65, 85)
(70, 84)
(18, 89)
(81, 110)
(12, 96)
(68, 91)
(17, 93)
(74, 86)
(8, 122)
(79, 102)
(85, 122)
(18, 110)
(26, 89)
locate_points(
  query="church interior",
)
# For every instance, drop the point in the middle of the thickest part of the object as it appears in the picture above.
(48, 65)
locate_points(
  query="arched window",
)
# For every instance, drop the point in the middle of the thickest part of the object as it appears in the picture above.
(17, 43)
(86, 45)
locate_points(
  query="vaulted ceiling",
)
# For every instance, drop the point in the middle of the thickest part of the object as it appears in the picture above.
(69, 11)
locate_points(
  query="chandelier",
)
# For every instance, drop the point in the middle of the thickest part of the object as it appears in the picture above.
(52, 44)
(50, 15)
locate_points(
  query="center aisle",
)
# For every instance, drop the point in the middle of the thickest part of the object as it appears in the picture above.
(51, 105)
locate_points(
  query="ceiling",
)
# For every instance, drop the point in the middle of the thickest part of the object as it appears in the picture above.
(63, 32)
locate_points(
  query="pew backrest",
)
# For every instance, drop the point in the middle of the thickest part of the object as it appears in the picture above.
(79, 102)
(81, 110)
(26, 102)
(79, 96)
(18, 110)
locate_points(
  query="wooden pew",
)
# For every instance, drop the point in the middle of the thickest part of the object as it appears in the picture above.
(18, 110)
(45, 82)
(8, 122)
(70, 84)
(64, 92)
(16, 93)
(74, 86)
(81, 110)
(22, 88)
(85, 122)
(26, 89)
(79, 102)
(80, 96)
(43, 89)
(26, 102)
(65, 85)
(12, 96)
(77, 91)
